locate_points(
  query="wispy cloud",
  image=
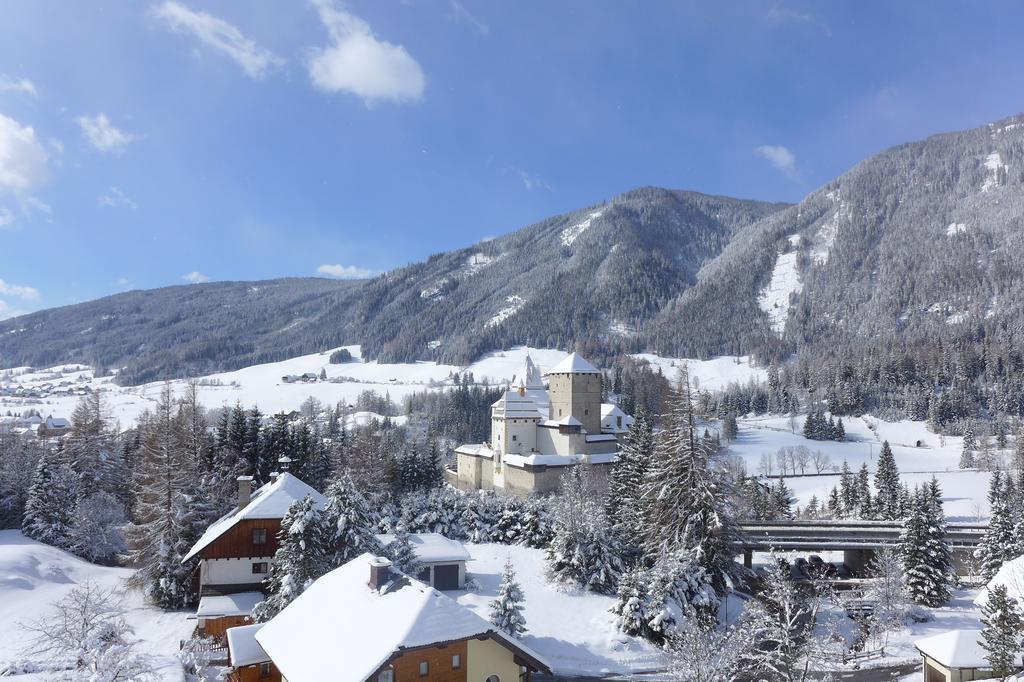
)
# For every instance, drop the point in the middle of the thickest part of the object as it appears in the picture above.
(459, 13)
(779, 14)
(124, 283)
(531, 181)
(219, 35)
(195, 277)
(23, 85)
(358, 62)
(6, 218)
(114, 198)
(104, 135)
(778, 156)
(18, 291)
(7, 312)
(345, 271)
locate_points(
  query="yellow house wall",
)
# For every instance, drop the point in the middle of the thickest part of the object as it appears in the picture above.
(486, 658)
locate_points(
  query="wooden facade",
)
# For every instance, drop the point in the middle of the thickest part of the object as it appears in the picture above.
(217, 627)
(237, 541)
(439, 660)
(255, 673)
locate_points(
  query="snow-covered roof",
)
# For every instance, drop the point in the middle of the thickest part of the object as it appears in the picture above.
(239, 604)
(529, 376)
(243, 649)
(537, 459)
(573, 364)
(511, 405)
(611, 410)
(955, 649)
(569, 420)
(271, 501)
(431, 548)
(475, 449)
(341, 629)
(1010, 574)
(57, 423)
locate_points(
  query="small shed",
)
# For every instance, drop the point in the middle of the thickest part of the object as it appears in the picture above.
(217, 613)
(443, 559)
(249, 662)
(954, 656)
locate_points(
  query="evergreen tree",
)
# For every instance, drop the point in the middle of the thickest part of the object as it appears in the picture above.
(50, 504)
(686, 496)
(507, 607)
(402, 553)
(867, 508)
(926, 557)
(1001, 631)
(730, 428)
(1000, 542)
(840, 431)
(887, 485)
(91, 450)
(848, 491)
(348, 521)
(301, 557)
(967, 454)
(626, 479)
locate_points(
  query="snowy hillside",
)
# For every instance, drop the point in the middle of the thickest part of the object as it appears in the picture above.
(33, 576)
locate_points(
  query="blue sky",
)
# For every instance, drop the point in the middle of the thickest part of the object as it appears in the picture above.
(146, 144)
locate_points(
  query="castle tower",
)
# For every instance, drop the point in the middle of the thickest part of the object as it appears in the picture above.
(575, 390)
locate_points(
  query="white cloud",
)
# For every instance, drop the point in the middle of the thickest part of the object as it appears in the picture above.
(345, 271)
(23, 161)
(195, 277)
(784, 15)
(9, 84)
(114, 198)
(219, 35)
(6, 219)
(18, 291)
(778, 156)
(103, 135)
(358, 62)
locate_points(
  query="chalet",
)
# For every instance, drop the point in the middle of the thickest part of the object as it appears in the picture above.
(365, 622)
(443, 560)
(53, 426)
(248, 661)
(954, 656)
(537, 431)
(235, 551)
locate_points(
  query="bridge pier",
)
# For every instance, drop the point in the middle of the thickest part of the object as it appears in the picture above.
(858, 560)
(748, 558)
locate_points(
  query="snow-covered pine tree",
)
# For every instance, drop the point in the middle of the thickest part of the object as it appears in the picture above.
(301, 557)
(18, 461)
(730, 429)
(167, 522)
(999, 543)
(538, 526)
(402, 553)
(926, 559)
(51, 501)
(887, 485)
(348, 521)
(91, 449)
(631, 608)
(96, 535)
(867, 507)
(507, 607)
(848, 491)
(626, 480)
(686, 496)
(840, 431)
(969, 445)
(1000, 632)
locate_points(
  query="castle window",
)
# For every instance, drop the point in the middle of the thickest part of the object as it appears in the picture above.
(514, 437)
(586, 411)
(618, 422)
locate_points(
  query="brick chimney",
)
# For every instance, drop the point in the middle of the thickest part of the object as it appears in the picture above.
(244, 491)
(380, 572)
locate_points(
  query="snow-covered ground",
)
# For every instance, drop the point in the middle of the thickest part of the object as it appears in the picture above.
(33, 576)
(919, 454)
(785, 281)
(708, 375)
(572, 629)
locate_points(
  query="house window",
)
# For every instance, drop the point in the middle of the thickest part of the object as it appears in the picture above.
(386, 675)
(424, 669)
(264, 669)
(456, 661)
(259, 568)
(259, 536)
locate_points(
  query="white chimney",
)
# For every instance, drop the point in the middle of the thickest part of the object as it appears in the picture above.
(380, 572)
(244, 491)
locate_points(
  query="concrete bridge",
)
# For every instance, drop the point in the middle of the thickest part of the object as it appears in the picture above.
(858, 540)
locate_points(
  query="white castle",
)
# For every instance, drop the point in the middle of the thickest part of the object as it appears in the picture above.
(538, 430)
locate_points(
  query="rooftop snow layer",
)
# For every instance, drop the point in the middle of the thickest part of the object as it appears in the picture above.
(342, 629)
(271, 501)
(573, 364)
(239, 604)
(243, 649)
(431, 548)
(955, 649)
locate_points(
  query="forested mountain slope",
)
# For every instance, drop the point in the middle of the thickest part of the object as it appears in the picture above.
(597, 276)
(919, 245)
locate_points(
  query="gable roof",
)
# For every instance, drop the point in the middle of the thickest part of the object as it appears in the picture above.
(271, 501)
(573, 364)
(309, 638)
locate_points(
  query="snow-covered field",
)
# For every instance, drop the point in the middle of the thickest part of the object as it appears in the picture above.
(572, 629)
(33, 576)
(919, 454)
(708, 375)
